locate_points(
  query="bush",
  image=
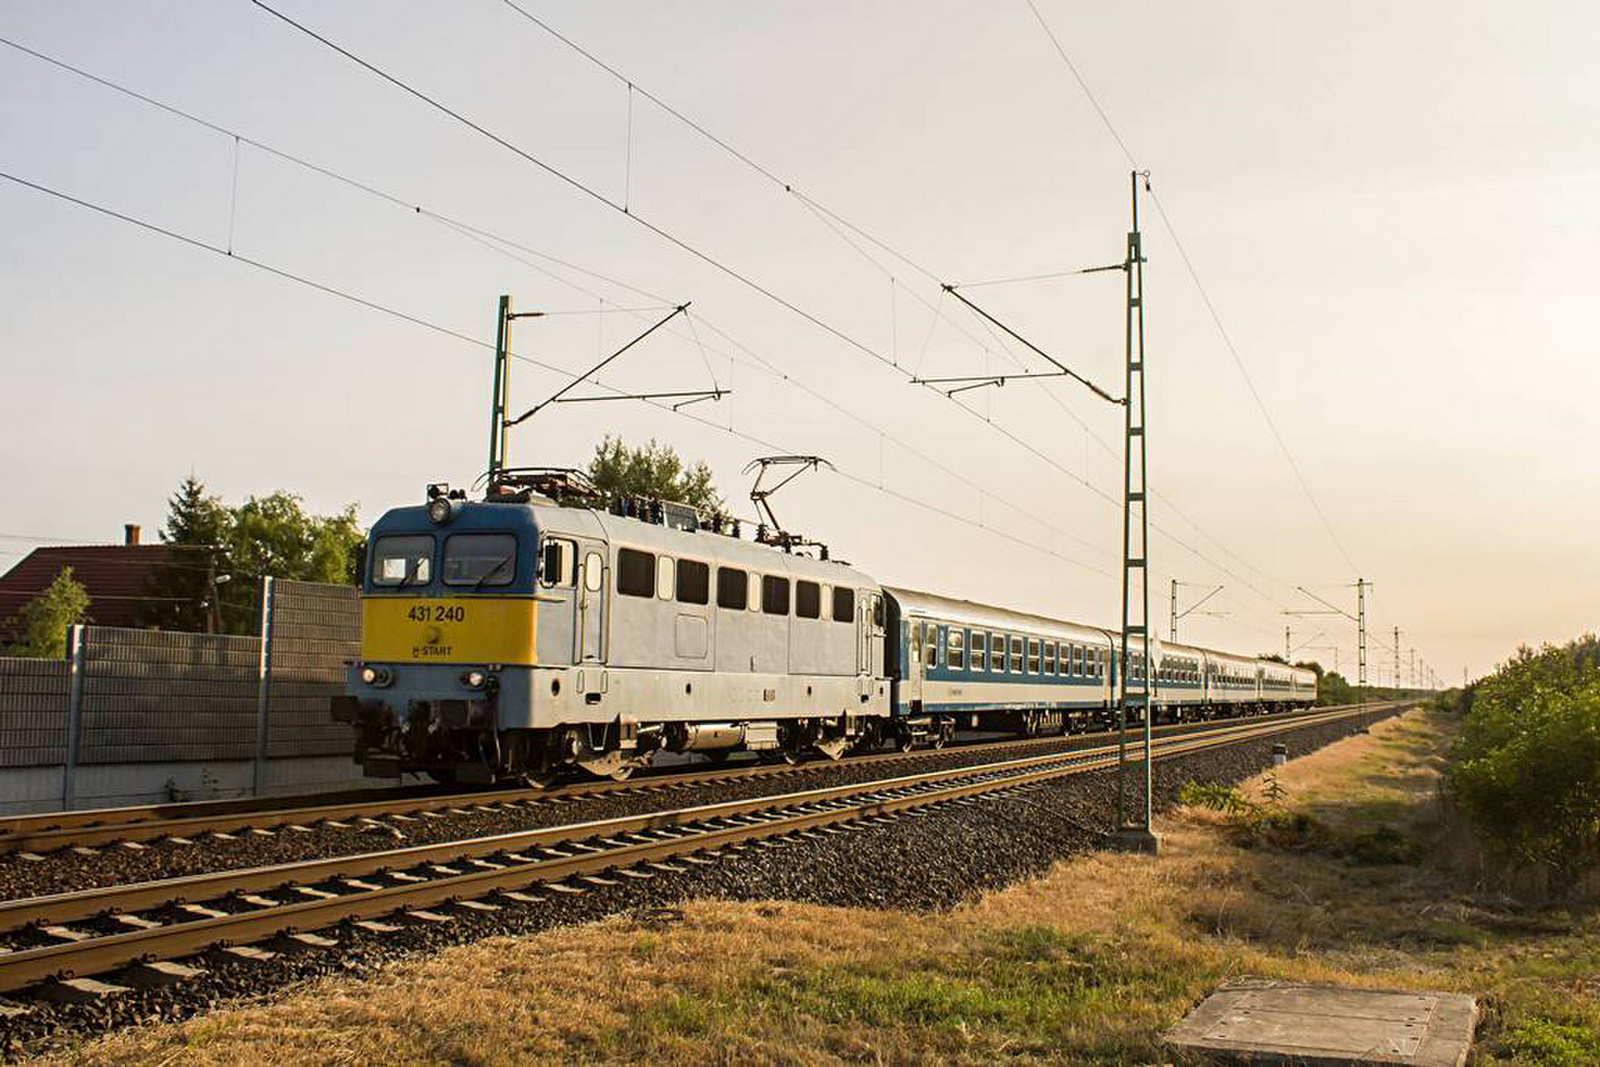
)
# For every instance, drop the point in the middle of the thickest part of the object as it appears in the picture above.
(1526, 769)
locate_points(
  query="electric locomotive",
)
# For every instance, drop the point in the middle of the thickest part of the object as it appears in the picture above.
(536, 630)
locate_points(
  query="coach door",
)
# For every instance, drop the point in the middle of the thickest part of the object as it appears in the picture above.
(869, 640)
(592, 610)
(556, 633)
(913, 661)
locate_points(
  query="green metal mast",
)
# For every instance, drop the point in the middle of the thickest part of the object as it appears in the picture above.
(1135, 684)
(497, 408)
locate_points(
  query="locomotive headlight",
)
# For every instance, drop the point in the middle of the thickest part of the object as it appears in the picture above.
(474, 679)
(440, 510)
(376, 676)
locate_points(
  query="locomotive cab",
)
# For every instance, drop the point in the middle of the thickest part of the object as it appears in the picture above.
(448, 635)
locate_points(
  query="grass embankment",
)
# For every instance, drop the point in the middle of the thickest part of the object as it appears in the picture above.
(1087, 964)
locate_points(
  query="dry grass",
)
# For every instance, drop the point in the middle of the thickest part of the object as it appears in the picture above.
(1087, 964)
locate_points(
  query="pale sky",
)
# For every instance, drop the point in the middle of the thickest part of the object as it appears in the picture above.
(1392, 207)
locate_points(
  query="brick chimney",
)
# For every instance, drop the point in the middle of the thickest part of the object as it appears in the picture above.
(130, 533)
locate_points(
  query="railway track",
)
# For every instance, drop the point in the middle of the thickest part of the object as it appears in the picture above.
(65, 938)
(188, 822)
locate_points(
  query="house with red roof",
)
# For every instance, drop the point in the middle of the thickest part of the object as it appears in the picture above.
(117, 577)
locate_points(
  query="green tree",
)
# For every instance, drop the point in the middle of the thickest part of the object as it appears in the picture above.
(1334, 688)
(43, 621)
(199, 527)
(654, 470)
(1526, 767)
(275, 536)
(225, 551)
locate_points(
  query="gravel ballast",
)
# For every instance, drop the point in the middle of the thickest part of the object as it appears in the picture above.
(66, 870)
(920, 862)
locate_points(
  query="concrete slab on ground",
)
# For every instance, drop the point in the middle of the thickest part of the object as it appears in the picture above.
(1262, 1022)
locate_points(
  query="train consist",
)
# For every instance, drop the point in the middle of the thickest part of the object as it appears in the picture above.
(543, 629)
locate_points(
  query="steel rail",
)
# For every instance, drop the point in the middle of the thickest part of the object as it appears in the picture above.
(45, 833)
(704, 828)
(86, 903)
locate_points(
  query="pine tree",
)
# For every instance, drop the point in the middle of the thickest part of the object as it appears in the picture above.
(200, 526)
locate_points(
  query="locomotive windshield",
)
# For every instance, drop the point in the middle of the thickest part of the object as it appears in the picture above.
(401, 561)
(480, 559)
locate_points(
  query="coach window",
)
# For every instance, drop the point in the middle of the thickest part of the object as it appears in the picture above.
(930, 645)
(694, 582)
(1016, 655)
(559, 563)
(774, 595)
(844, 604)
(1033, 655)
(402, 560)
(980, 648)
(1049, 657)
(636, 572)
(955, 650)
(733, 588)
(808, 600)
(664, 582)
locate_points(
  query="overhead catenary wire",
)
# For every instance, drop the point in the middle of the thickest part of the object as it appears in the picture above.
(672, 238)
(466, 228)
(839, 224)
(447, 331)
(517, 251)
(1205, 297)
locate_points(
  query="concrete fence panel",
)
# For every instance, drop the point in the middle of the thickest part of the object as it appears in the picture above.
(155, 696)
(33, 712)
(314, 629)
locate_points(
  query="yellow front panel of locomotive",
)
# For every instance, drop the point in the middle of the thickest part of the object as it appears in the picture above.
(455, 630)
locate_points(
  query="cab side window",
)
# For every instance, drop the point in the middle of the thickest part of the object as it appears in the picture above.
(558, 566)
